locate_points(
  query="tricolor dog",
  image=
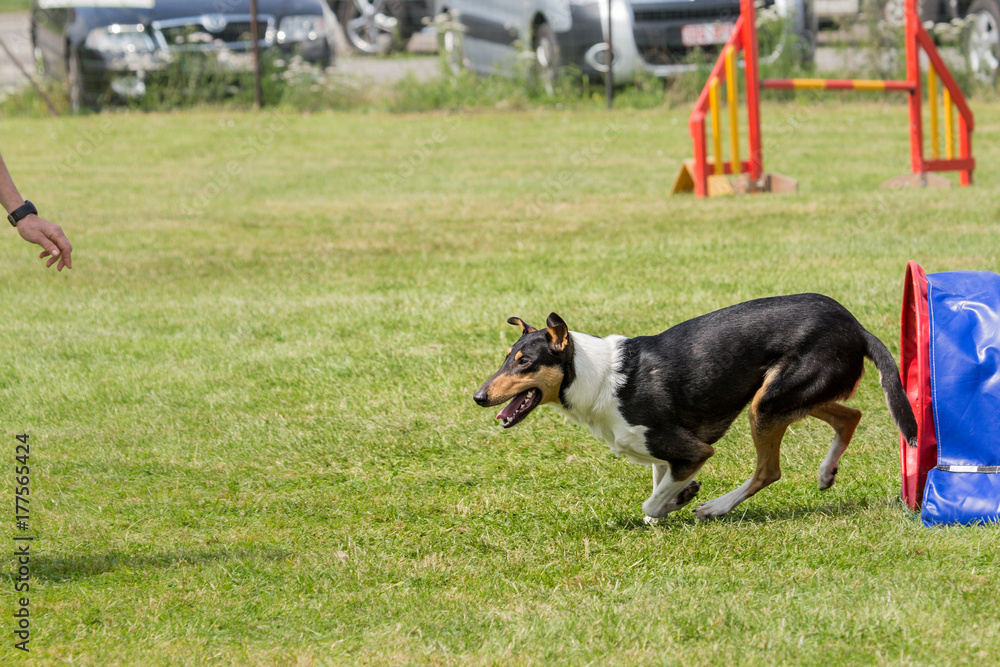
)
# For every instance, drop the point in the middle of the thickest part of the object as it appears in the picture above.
(664, 400)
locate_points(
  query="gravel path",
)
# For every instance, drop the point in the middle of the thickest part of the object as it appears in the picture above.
(14, 33)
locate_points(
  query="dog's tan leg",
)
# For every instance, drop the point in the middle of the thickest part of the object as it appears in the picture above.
(767, 441)
(844, 421)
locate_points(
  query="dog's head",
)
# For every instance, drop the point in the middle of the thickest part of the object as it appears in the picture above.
(533, 372)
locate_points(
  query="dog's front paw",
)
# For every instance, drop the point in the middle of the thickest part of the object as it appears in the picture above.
(687, 494)
(653, 511)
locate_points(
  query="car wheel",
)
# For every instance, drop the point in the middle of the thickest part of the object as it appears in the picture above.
(770, 39)
(368, 25)
(982, 44)
(787, 23)
(894, 13)
(547, 57)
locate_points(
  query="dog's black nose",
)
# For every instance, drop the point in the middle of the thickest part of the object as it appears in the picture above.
(481, 398)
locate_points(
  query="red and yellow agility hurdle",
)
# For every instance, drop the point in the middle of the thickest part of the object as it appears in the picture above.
(708, 177)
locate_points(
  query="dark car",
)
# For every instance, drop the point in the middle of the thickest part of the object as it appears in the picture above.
(106, 48)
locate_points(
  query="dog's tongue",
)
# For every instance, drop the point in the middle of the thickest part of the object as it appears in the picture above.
(508, 412)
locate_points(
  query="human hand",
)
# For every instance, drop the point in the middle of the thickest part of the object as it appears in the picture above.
(50, 236)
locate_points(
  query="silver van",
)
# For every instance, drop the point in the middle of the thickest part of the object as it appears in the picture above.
(655, 36)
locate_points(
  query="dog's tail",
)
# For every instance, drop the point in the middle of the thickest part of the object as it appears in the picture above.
(899, 405)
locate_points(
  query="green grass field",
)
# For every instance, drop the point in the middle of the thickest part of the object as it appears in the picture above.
(250, 402)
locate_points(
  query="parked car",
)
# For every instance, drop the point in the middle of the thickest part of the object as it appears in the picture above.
(655, 36)
(377, 26)
(980, 42)
(982, 39)
(106, 48)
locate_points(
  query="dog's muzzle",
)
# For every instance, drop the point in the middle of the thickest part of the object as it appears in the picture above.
(482, 398)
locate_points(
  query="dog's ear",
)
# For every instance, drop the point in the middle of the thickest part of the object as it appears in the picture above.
(557, 333)
(525, 327)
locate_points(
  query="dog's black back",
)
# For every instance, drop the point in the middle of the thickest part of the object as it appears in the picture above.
(700, 374)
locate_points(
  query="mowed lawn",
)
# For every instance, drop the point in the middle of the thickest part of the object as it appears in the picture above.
(253, 439)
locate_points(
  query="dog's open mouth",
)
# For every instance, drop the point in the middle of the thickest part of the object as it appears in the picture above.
(519, 407)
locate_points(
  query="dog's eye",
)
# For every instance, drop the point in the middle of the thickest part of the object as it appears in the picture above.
(523, 361)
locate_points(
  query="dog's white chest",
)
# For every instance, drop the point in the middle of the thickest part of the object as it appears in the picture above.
(593, 401)
(623, 439)
(630, 442)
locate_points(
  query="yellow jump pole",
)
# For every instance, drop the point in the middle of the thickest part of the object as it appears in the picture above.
(932, 101)
(713, 102)
(733, 101)
(949, 137)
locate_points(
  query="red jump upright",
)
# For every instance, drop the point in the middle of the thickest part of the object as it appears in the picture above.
(695, 174)
(707, 177)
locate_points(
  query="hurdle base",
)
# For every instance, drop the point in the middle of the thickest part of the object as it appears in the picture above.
(733, 184)
(923, 179)
(742, 184)
(685, 178)
(768, 182)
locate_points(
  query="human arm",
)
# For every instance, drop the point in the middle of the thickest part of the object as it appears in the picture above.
(34, 229)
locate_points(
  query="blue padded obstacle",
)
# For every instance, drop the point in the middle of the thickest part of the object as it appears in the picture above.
(952, 340)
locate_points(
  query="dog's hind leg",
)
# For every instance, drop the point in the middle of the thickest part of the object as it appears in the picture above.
(767, 441)
(767, 426)
(844, 421)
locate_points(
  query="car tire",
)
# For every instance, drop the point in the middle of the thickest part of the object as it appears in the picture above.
(775, 29)
(982, 40)
(548, 60)
(893, 13)
(368, 25)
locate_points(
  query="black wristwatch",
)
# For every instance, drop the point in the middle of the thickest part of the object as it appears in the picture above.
(21, 212)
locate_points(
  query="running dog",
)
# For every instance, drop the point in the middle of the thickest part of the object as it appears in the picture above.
(664, 400)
